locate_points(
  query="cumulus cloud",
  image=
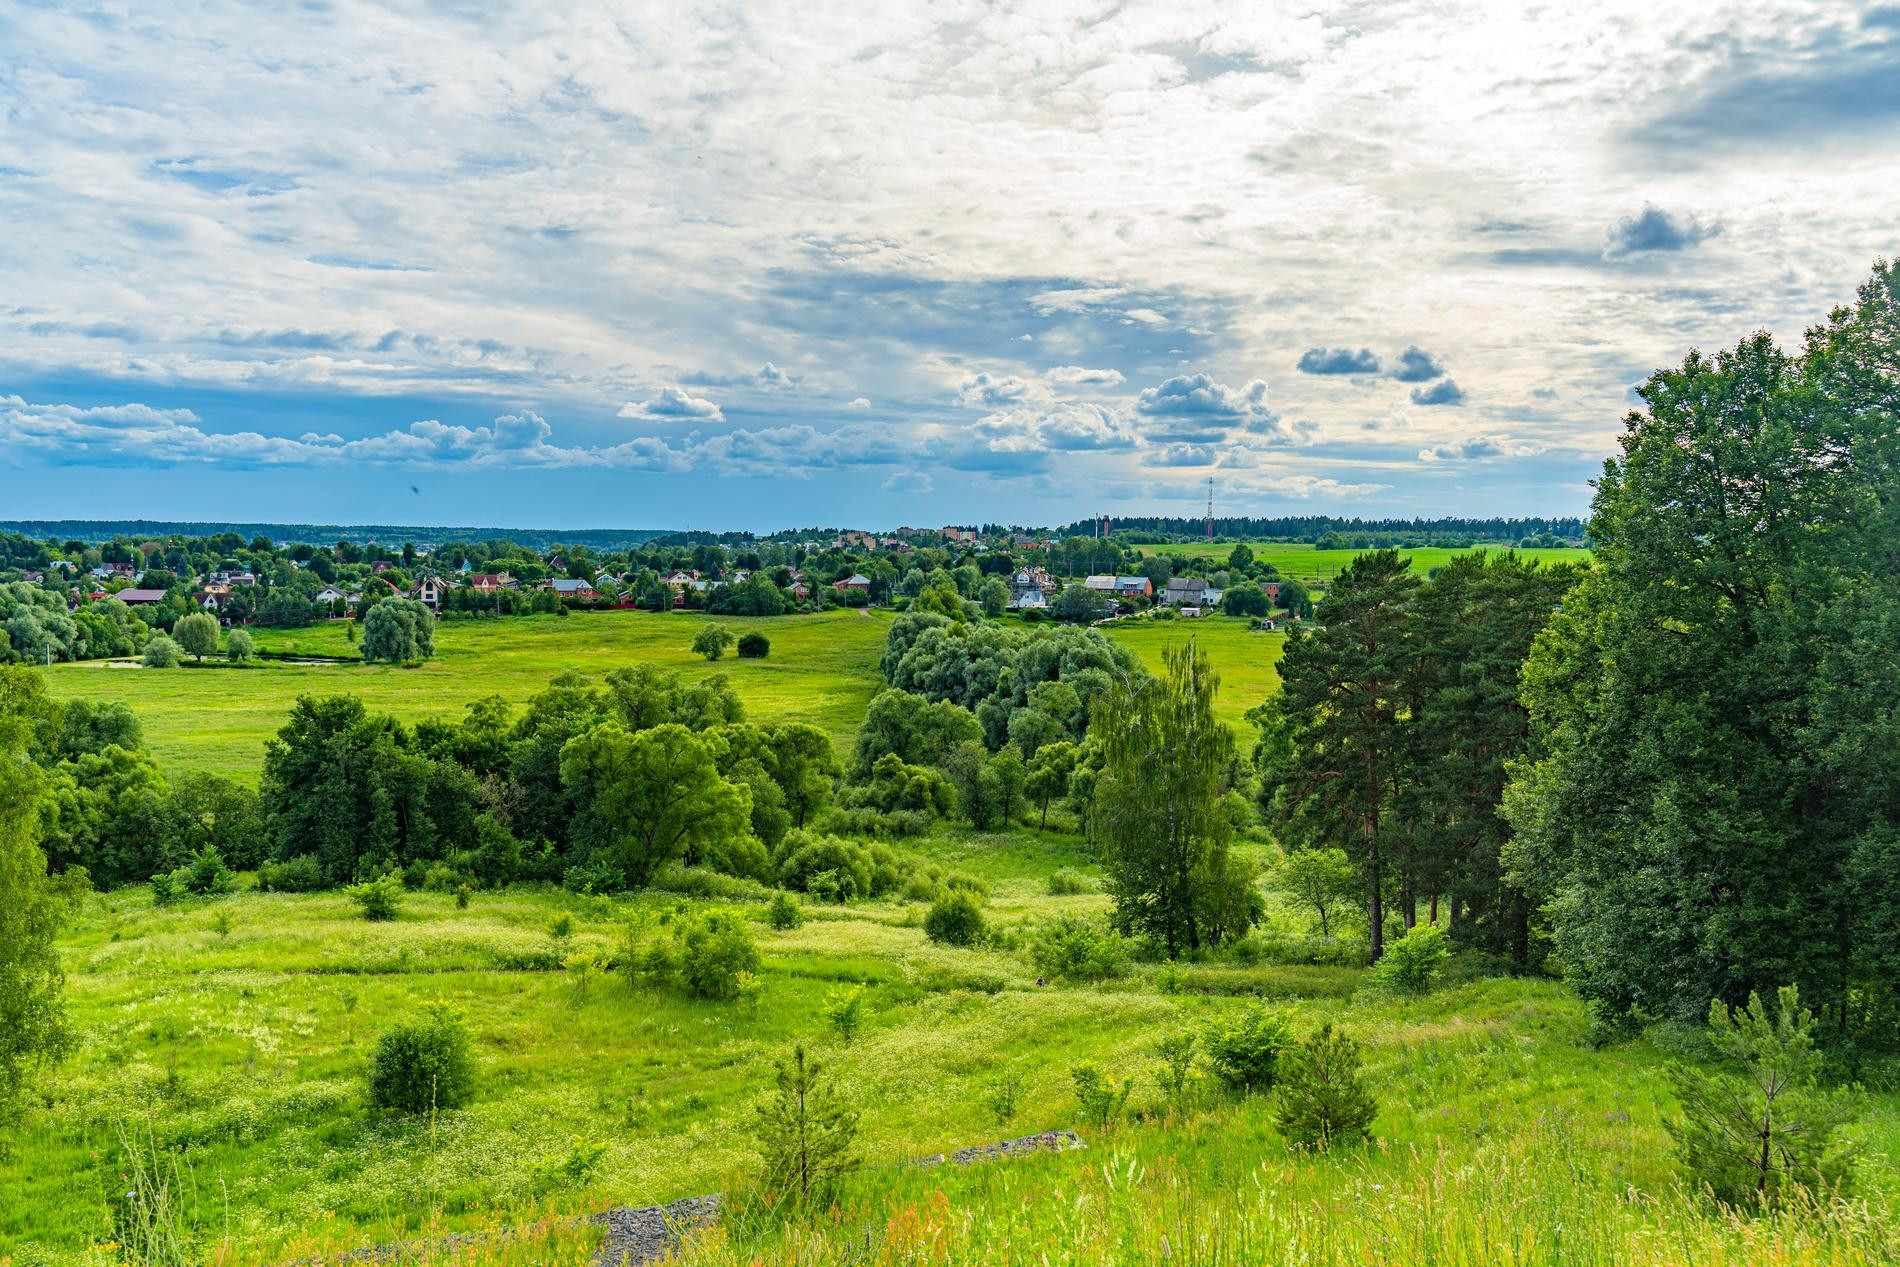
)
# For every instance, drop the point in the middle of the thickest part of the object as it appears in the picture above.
(858, 402)
(674, 404)
(987, 391)
(1082, 376)
(1195, 409)
(1653, 231)
(908, 482)
(1478, 448)
(1443, 392)
(1338, 361)
(1416, 365)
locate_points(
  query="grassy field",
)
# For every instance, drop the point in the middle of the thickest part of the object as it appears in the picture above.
(1310, 566)
(234, 1034)
(822, 670)
(1246, 660)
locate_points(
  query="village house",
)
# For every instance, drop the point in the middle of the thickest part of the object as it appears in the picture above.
(1185, 591)
(428, 592)
(140, 597)
(572, 589)
(856, 581)
(489, 582)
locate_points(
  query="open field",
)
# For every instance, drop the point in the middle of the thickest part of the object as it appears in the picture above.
(822, 670)
(1245, 659)
(248, 1046)
(1307, 565)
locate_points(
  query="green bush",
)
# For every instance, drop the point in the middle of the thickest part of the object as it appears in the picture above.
(784, 912)
(1323, 1099)
(165, 889)
(161, 653)
(1073, 948)
(715, 949)
(1068, 882)
(206, 874)
(845, 1012)
(301, 874)
(955, 920)
(754, 646)
(378, 899)
(804, 856)
(1412, 964)
(1245, 1049)
(1100, 1098)
(423, 1065)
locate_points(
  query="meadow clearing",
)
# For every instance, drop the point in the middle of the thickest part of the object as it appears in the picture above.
(1310, 566)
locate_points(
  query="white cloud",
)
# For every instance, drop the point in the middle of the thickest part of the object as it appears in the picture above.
(674, 404)
(1082, 376)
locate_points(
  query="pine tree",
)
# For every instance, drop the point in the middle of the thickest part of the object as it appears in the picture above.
(806, 1137)
(1322, 1098)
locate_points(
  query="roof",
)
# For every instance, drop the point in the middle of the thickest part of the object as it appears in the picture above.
(140, 596)
(569, 587)
(1187, 583)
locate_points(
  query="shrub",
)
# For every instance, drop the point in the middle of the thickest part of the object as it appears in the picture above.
(1411, 964)
(1175, 1075)
(784, 912)
(845, 1012)
(239, 646)
(207, 875)
(423, 1065)
(806, 1136)
(954, 919)
(1099, 1098)
(1068, 882)
(1323, 1097)
(715, 950)
(1004, 1097)
(462, 895)
(754, 646)
(380, 898)
(164, 889)
(803, 857)
(161, 653)
(1073, 948)
(302, 874)
(1245, 1049)
(1758, 1137)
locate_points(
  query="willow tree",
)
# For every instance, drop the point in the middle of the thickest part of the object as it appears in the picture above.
(1159, 815)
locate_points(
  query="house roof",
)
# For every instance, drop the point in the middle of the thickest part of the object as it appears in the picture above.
(140, 596)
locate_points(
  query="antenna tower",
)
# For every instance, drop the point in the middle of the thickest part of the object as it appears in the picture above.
(1210, 508)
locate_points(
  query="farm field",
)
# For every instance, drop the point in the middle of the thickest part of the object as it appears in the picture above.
(240, 1028)
(1245, 659)
(1307, 565)
(822, 670)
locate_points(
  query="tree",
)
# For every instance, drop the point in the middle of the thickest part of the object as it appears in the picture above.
(916, 730)
(398, 631)
(197, 635)
(1245, 599)
(649, 798)
(754, 646)
(1158, 816)
(712, 640)
(993, 594)
(1710, 802)
(1756, 1136)
(1295, 599)
(1078, 603)
(806, 1137)
(1049, 773)
(1333, 743)
(1323, 1099)
(1320, 879)
(161, 653)
(33, 905)
(238, 646)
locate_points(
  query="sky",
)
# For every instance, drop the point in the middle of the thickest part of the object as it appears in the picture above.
(766, 265)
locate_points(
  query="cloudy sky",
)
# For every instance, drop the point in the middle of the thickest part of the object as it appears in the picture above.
(816, 263)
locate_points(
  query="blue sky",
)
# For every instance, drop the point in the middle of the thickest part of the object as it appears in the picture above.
(764, 265)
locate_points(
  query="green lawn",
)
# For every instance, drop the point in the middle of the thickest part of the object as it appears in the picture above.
(822, 670)
(1309, 566)
(1245, 660)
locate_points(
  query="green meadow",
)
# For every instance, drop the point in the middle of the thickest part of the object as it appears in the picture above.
(1309, 566)
(822, 670)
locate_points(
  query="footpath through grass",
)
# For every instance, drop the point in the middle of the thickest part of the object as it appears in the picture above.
(822, 670)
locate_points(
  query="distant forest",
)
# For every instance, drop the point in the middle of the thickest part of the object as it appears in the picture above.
(1361, 532)
(95, 531)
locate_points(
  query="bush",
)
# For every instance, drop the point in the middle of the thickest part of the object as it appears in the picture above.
(1323, 1097)
(1175, 1074)
(423, 1065)
(845, 1012)
(803, 857)
(1073, 948)
(206, 873)
(378, 899)
(754, 646)
(161, 653)
(715, 950)
(1068, 882)
(954, 919)
(239, 646)
(1245, 1049)
(784, 912)
(301, 874)
(1100, 1099)
(164, 889)
(1411, 964)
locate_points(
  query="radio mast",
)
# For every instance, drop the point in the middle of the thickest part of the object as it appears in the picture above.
(1210, 508)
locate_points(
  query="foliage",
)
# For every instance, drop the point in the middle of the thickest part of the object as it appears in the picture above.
(1710, 802)
(805, 856)
(161, 653)
(955, 919)
(239, 646)
(1175, 1075)
(1413, 963)
(845, 1011)
(754, 646)
(1321, 878)
(302, 874)
(784, 911)
(196, 634)
(423, 1065)
(807, 1138)
(1158, 816)
(1075, 948)
(1323, 1099)
(1757, 1136)
(650, 797)
(715, 951)
(1245, 1048)
(1101, 1099)
(378, 899)
(910, 727)
(1067, 882)
(1003, 1097)
(712, 640)
(398, 631)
